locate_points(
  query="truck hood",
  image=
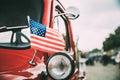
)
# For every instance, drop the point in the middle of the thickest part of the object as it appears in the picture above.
(15, 12)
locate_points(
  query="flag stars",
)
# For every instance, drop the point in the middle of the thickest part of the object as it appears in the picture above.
(37, 28)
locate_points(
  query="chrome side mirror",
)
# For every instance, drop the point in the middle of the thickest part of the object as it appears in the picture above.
(72, 13)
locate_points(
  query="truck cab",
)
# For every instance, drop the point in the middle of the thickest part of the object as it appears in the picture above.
(18, 60)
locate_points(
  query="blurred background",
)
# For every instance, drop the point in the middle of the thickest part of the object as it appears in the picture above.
(97, 36)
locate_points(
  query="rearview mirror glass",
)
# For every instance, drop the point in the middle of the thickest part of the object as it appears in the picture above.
(72, 13)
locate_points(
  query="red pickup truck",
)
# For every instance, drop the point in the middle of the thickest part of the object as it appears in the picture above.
(18, 60)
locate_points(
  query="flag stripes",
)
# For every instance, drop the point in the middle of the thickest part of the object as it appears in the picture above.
(45, 39)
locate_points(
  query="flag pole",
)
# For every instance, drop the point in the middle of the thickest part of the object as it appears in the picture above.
(32, 62)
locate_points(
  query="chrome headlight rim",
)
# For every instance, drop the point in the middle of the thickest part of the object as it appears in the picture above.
(68, 61)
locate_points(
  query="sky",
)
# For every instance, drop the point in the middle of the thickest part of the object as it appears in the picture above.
(98, 18)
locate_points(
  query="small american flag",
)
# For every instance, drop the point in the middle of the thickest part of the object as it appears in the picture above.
(45, 39)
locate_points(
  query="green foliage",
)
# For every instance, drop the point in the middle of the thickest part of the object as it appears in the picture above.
(94, 50)
(113, 41)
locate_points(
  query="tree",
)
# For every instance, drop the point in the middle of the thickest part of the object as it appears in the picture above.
(117, 31)
(94, 50)
(113, 41)
(109, 42)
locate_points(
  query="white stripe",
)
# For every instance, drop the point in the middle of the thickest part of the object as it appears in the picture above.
(49, 44)
(42, 47)
(52, 30)
(56, 37)
(43, 38)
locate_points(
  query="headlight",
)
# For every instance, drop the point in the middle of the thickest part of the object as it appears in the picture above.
(60, 66)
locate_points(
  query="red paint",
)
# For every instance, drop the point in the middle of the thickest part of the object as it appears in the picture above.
(46, 16)
(14, 63)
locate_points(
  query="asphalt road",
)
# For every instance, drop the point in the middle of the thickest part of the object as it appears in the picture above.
(100, 72)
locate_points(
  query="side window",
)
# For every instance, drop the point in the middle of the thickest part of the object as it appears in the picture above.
(59, 24)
